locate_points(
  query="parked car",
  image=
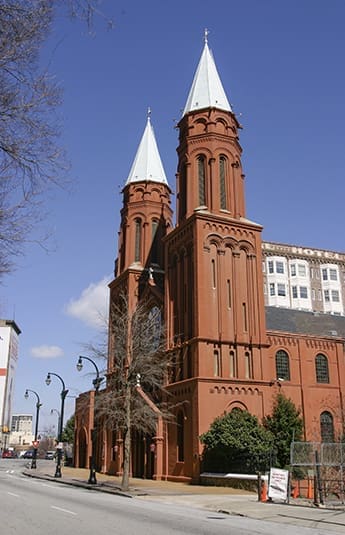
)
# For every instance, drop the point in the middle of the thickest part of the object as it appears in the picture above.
(9, 454)
(50, 455)
(28, 454)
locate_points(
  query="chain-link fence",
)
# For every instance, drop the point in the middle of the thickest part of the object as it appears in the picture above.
(323, 464)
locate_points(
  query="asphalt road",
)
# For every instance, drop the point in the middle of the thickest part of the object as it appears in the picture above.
(37, 507)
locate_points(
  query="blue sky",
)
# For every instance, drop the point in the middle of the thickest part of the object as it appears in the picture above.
(282, 67)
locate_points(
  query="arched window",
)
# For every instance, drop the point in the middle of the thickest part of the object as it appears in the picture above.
(248, 365)
(321, 368)
(282, 365)
(222, 183)
(154, 240)
(201, 179)
(137, 249)
(233, 364)
(155, 326)
(216, 363)
(326, 427)
(180, 436)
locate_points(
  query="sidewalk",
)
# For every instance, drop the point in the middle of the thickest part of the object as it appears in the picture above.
(221, 499)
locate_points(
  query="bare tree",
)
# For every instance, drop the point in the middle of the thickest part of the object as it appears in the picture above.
(137, 372)
(31, 159)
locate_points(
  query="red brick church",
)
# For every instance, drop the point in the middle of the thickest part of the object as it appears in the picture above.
(205, 274)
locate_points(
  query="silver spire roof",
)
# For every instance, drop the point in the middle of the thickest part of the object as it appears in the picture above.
(207, 89)
(147, 163)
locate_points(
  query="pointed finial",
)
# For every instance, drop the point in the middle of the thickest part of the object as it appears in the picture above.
(206, 32)
(149, 113)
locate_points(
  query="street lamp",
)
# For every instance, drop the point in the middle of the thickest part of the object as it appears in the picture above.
(35, 443)
(96, 383)
(63, 395)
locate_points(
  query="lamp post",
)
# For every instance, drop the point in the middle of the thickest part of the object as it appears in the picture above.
(96, 383)
(35, 443)
(63, 395)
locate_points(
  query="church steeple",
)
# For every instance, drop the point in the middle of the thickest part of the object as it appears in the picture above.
(147, 163)
(207, 90)
(209, 174)
(146, 213)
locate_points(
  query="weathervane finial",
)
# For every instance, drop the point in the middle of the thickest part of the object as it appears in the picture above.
(206, 32)
(149, 112)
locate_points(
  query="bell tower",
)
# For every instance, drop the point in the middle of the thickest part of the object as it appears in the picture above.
(214, 292)
(146, 217)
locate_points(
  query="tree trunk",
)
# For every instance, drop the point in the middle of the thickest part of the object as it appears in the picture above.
(127, 442)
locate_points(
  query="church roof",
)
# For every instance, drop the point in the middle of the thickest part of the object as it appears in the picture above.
(207, 90)
(287, 320)
(147, 165)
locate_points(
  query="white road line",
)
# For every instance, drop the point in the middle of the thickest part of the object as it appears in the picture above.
(63, 510)
(12, 494)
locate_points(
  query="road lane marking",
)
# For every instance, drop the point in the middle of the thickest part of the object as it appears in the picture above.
(63, 510)
(12, 494)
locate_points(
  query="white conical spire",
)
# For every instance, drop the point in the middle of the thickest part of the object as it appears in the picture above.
(147, 163)
(207, 89)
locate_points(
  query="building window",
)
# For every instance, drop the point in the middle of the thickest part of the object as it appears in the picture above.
(324, 274)
(302, 270)
(213, 268)
(294, 292)
(303, 292)
(333, 274)
(229, 292)
(222, 162)
(137, 240)
(279, 267)
(281, 290)
(201, 176)
(313, 294)
(321, 368)
(180, 436)
(326, 427)
(335, 296)
(272, 288)
(233, 364)
(216, 363)
(326, 294)
(270, 266)
(248, 367)
(282, 365)
(293, 270)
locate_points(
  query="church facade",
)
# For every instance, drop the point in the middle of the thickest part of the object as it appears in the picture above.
(205, 273)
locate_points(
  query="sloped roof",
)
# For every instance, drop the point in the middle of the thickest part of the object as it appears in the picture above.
(302, 322)
(207, 90)
(147, 165)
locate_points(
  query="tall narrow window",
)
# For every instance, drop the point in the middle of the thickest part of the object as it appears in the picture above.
(137, 250)
(326, 427)
(229, 292)
(213, 268)
(245, 323)
(321, 369)
(182, 195)
(154, 241)
(282, 365)
(248, 367)
(180, 437)
(216, 363)
(222, 164)
(201, 177)
(233, 364)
